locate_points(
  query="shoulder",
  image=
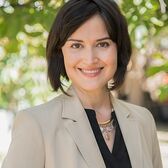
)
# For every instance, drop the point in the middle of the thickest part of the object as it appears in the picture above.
(45, 109)
(43, 115)
(140, 116)
(136, 112)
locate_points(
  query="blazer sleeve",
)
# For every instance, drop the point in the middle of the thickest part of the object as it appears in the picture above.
(27, 148)
(156, 155)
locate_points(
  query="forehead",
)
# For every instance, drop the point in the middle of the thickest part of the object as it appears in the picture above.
(92, 28)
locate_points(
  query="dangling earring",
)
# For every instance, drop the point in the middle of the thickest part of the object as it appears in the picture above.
(110, 83)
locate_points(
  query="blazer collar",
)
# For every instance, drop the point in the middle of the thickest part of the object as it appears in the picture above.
(82, 133)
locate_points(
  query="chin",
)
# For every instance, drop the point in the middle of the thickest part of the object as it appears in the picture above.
(90, 87)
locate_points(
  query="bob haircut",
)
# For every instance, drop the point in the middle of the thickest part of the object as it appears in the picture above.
(69, 18)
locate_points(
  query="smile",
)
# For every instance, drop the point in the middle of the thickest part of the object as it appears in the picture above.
(91, 72)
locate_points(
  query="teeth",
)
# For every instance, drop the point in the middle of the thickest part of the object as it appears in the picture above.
(90, 71)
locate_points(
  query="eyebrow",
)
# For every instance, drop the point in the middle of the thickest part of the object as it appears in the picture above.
(101, 39)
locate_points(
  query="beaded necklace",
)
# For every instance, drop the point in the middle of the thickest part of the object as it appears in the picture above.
(107, 127)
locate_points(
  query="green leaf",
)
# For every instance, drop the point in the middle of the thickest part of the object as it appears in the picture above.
(156, 69)
(163, 96)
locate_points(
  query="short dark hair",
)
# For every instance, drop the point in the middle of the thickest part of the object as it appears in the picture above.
(69, 18)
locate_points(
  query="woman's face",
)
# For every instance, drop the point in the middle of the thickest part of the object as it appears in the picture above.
(90, 56)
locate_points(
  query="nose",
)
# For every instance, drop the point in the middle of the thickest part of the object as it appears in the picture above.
(90, 56)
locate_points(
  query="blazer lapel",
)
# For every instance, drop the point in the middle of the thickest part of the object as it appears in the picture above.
(79, 128)
(130, 131)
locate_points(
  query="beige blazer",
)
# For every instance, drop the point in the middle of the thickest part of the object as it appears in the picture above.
(57, 134)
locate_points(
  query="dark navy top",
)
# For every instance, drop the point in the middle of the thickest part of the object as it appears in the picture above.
(119, 157)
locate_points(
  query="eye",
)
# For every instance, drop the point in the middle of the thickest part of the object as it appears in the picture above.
(76, 45)
(103, 44)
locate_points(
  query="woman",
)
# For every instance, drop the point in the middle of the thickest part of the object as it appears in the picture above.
(86, 127)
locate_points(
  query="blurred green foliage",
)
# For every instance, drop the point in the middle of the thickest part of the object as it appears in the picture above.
(145, 19)
(24, 26)
(163, 95)
(156, 69)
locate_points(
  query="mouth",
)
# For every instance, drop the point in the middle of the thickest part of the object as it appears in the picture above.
(91, 72)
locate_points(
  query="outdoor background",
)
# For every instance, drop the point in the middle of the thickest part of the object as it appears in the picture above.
(24, 26)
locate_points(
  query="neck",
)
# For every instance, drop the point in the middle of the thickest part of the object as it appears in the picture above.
(98, 100)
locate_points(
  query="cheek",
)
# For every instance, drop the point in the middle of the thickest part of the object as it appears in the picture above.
(111, 58)
(70, 60)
